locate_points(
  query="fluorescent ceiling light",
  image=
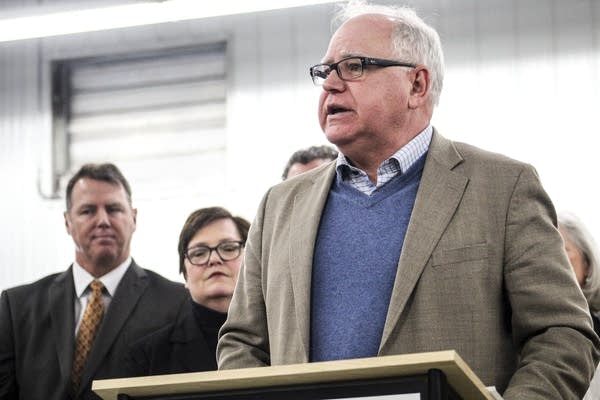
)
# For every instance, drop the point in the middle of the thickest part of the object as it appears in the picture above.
(145, 13)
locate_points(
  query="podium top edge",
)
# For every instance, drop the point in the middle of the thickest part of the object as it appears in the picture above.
(287, 369)
(457, 372)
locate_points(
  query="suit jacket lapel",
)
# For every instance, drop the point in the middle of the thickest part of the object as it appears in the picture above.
(128, 292)
(438, 196)
(306, 215)
(61, 298)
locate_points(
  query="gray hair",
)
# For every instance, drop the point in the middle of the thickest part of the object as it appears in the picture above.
(577, 233)
(412, 41)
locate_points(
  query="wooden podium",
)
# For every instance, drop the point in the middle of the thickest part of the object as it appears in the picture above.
(437, 375)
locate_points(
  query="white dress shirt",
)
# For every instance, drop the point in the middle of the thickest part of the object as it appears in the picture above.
(82, 279)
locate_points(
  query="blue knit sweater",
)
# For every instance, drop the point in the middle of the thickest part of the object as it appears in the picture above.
(356, 256)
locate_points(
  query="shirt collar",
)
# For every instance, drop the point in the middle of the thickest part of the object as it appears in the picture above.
(404, 158)
(111, 280)
(413, 150)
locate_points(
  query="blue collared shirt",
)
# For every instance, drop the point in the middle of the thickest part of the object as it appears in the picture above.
(400, 161)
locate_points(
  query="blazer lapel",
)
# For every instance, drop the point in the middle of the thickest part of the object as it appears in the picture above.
(61, 298)
(306, 215)
(438, 196)
(128, 292)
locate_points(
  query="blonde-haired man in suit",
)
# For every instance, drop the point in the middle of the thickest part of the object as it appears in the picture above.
(409, 242)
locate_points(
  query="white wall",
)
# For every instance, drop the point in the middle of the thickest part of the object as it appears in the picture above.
(522, 79)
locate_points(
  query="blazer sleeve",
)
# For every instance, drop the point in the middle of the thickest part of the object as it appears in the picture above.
(8, 381)
(551, 325)
(243, 339)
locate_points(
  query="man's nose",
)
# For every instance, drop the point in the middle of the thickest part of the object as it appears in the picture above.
(333, 82)
(102, 217)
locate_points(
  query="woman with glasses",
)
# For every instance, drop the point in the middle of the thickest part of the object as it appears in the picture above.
(211, 248)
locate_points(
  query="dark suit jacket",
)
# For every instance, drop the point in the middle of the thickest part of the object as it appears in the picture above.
(37, 332)
(188, 345)
(482, 271)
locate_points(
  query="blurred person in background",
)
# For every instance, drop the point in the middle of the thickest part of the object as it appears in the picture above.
(211, 250)
(306, 159)
(583, 256)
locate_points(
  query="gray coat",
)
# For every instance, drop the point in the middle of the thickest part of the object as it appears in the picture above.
(482, 271)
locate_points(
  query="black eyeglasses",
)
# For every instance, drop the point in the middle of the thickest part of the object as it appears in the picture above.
(351, 68)
(227, 251)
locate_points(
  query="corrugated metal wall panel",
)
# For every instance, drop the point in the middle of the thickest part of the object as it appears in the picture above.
(148, 121)
(147, 108)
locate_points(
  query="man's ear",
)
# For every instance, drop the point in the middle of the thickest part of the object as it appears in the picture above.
(67, 222)
(419, 93)
(134, 212)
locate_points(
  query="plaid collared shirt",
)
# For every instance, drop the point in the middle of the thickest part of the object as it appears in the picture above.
(396, 164)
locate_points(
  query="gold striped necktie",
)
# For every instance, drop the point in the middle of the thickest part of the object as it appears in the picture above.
(87, 331)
